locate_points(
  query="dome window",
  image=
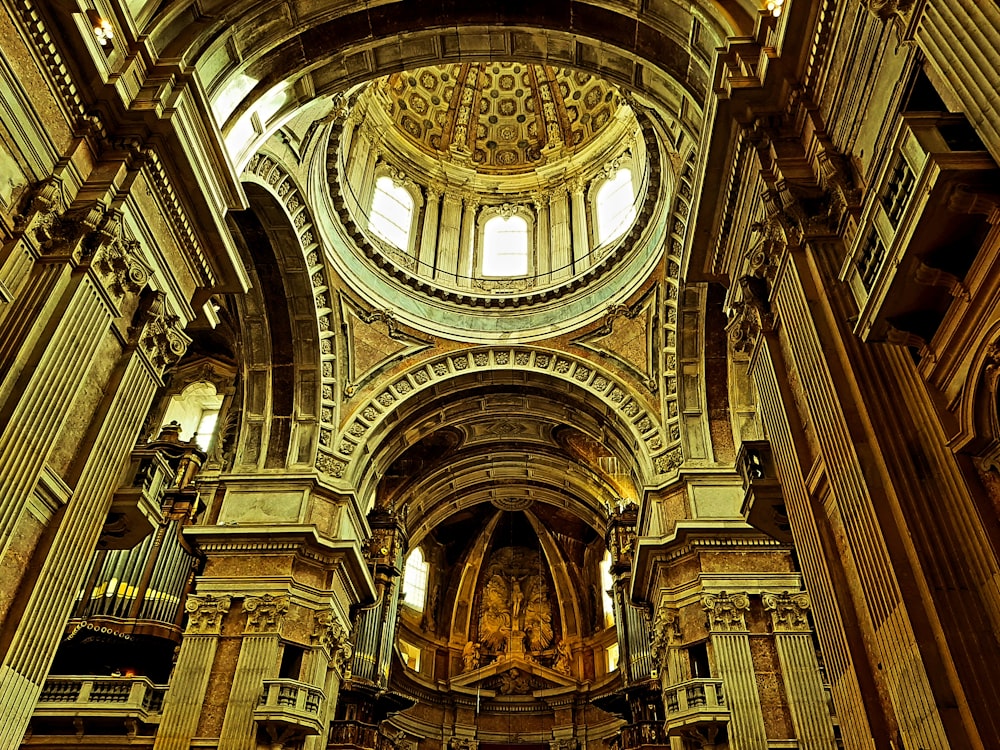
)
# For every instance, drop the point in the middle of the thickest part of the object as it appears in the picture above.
(415, 580)
(615, 203)
(505, 246)
(391, 213)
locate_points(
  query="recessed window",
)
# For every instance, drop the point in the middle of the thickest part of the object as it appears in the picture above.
(505, 246)
(612, 656)
(615, 204)
(410, 654)
(415, 580)
(391, 213)
(196, 409)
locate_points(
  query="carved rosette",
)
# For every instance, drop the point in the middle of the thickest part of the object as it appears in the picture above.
(334, 637)
(205, 614)
(788, 611)
(726, 613)
(265, 614)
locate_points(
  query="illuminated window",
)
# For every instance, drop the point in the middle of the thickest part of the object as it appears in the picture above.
(392, 213)
(410, 654)
(615, 204)
(415, 580)
(606, 585)
(612, 654)
(196, 409)
(505, 246)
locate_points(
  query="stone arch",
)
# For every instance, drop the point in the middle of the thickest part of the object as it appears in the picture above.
(282, 389)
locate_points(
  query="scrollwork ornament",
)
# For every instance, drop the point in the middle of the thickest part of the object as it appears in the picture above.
(160, 337)
(666, 631)
(265, 614)
(121, 268)
(726, 613)
(335, 638)
(886, 9)
(788, 611)
(205, 614)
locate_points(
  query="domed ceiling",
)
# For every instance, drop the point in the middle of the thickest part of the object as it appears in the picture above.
(506, 117)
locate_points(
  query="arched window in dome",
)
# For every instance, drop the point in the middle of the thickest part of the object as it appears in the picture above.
(615, 206)
(391, 215)
(505, 246)
(607, 583)
(415, 580)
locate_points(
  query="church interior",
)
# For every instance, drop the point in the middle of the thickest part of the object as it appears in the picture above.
(556, 375)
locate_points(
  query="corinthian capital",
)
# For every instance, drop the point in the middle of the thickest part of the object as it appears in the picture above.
(788, 611)
(265, 614)
(205, 614)
(160, 336)
(726, 613)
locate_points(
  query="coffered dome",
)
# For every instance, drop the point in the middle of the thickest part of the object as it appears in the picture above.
(506, 117)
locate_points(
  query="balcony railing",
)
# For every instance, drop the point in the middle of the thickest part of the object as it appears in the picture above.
(291, 704)
(356, 734)
(641, 734)
(127, 697)
(693, 703)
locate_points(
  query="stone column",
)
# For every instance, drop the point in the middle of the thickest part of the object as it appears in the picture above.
(731, 643)
(113, 433)
(257, 662)
(543, 256)
(562, 242)
(581, 237)
(428, 237)
(447, 244)
(807, 699)
(183, 703)
(467, 241)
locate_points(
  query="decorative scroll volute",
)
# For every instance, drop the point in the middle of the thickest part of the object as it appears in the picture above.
(666, 632)
(265, 614)
(788, 611)
(160, 336)
(334, 637)
(726, 613)
(205, 614)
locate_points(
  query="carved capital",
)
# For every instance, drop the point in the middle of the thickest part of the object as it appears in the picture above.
(205, 614)
(120, 267)
(726, 613)
(265, 614)
(886, 9)
(666, 632)
(160, 337)
(788, 611)
(334, 637)
(463, 743)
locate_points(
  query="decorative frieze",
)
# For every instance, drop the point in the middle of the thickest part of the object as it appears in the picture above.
(265, 614)
(205, 614)
(726, 613)
(788, 611)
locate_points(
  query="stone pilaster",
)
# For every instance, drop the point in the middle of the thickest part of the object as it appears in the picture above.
(581, 237)
(428, 237)
(113, 432)
(561, 235)
(448, 234)
(189, 680)
(726, 614)
(800, 670)
(543, 256)
(467, 240)
(257, 662)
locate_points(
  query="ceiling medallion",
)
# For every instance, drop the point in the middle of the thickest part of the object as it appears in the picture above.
(512, 503)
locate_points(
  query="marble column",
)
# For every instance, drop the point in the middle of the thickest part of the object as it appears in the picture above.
(562, 242)
(447, 246)
(581, 237)
(182, 705)
(467, 241)
(428, 237)
(807, 700)
(258, 661)
(731, 644)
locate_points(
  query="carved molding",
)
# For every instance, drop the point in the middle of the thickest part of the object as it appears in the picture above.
(265, 614)
(886, 9)
(666, 632)
(205, 614)
(726, 613)
(160, 338)
(788, 611)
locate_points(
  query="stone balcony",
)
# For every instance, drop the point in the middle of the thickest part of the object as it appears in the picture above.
(100, 697)
(695, 705)
(290, 706)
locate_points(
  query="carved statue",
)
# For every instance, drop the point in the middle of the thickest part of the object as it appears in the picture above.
(515, 611)
(470, 656)
(563, 657)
